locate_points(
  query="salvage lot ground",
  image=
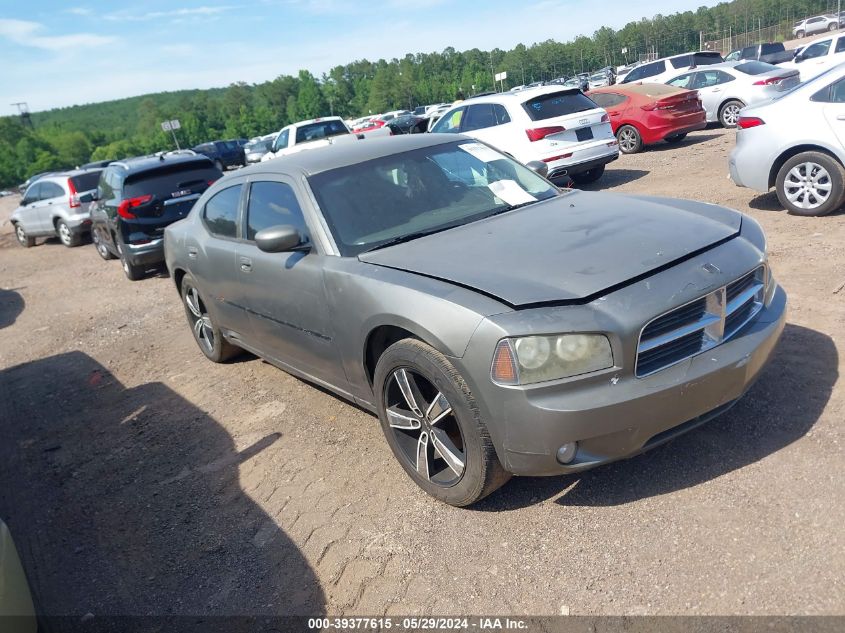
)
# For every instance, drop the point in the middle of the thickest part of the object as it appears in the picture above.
(138, 478)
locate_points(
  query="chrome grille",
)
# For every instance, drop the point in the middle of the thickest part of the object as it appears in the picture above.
(701, 324)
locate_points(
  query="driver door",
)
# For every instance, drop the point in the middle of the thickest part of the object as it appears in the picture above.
(30, 209)
(284, 293)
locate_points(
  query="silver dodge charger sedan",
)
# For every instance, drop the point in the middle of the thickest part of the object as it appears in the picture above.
(496, 324)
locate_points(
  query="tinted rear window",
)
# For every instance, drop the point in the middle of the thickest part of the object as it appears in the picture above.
(557, 104)
(323, 129)
(86, 181)
(705, 59)
(755, 68)
(164, 181)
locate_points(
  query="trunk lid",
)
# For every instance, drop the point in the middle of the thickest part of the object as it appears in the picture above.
(569, 249)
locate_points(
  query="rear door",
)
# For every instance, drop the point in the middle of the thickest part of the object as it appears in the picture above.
(711, 85)
(833, 98)
(29, 214)
(158, 197)
(51, 195)
(489, 123)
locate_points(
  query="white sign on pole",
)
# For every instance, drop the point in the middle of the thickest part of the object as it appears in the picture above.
(166, 126)
(175, 125)
(625, 51)
(501, 76)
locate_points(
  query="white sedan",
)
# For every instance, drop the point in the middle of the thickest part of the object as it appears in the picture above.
(726, 88)
(796, 144)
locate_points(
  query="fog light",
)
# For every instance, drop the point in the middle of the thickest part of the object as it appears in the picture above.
(566, 453)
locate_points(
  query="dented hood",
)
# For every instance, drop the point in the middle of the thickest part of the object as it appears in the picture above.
(567, 249)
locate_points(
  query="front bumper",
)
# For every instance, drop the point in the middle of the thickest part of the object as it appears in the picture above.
(612, 414)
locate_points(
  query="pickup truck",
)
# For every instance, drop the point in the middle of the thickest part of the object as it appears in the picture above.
(771, 53)
(312, 134)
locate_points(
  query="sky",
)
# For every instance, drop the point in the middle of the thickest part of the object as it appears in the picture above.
(55, 54)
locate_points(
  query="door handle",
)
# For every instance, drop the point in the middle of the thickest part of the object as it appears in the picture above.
(841, 117)
(246, 264)
(192, 252)
(717, 90)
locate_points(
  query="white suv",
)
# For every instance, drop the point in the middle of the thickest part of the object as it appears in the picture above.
(817, 24)
(662, 70)
(561, 127)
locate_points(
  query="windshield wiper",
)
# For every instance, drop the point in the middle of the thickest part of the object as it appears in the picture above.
(401, 239)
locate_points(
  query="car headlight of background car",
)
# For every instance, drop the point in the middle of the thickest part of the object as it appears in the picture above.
(530, 359)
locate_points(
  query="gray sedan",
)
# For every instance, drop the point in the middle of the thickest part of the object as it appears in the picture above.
(495, 324)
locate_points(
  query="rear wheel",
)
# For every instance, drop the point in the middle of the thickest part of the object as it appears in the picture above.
(811, 184)
(677, 138)
(630, 141)
(102, 250)
(66, 236)
(206, 334)
(133, 272)
(729, 113)
(433, 425)
(23, 239)
(586, 177)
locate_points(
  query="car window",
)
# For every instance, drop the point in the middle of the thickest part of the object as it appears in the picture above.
(684, 61)
(819, 49)
(557, 104)
(634, 75)
(834, 93)
(221, 212)
(710, 78)
(706, 59)
(607, 99)
(840, 45)
(371, 204)
(449, 123)
(282, 140)
(50, 190)
(33, 193)
(478, 117)
(273, 204)
(652, 70)
(172, 180)
(320, 130)
(682, 81)
(86, 181)
(755, 67)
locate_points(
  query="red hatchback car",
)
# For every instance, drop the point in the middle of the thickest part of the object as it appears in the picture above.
(642, 114)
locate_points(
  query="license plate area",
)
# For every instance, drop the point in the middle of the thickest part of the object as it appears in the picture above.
(584, 134)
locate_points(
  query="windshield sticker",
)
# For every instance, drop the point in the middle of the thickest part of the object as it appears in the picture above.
(481, 152)
(510, 192)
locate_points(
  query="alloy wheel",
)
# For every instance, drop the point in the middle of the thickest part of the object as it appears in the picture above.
(20, 234)
(807, 185)
(627, 140)
(200, 321)
(64, 234)
(98, 244)
(425, 428)
(730, 115)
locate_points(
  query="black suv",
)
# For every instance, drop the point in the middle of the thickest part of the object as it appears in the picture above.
(225, 154)
(137, 198)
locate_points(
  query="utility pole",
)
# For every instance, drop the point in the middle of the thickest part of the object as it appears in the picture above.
(23, 109)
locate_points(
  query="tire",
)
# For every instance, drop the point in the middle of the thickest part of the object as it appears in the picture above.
(833, 27)
(102, 250)
(800, 35)
(729, 113)
(23, 239)
(587, 177)
(132, 271)
(460, 465)
(219, 166)
(206, 334)
(630, 140)
(66, 236)
(811, 201)
(676, 138)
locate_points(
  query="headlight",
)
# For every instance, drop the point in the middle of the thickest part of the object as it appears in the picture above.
(530, 359)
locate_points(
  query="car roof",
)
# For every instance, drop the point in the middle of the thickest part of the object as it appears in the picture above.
(521, 95)
(145, 163)
(320, 159)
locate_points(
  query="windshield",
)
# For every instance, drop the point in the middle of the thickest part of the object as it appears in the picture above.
(258, 146)
(422, 191)
(320, 130)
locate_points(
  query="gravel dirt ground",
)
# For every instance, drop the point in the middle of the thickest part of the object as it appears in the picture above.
(139, 478)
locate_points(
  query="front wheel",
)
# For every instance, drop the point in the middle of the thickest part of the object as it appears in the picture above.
(833, 27)
(206, 334)
(799, 34)
(587, 177)
(811, 184)
(433, 426)
(729, 113)
(66, 236)
(630, 141)
(23, 239)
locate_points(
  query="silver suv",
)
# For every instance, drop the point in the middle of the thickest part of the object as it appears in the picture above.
(817, 24)
(57, 205)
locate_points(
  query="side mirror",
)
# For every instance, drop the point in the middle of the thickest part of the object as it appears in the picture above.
(538, 167)
(799, 57)
(278, 239)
